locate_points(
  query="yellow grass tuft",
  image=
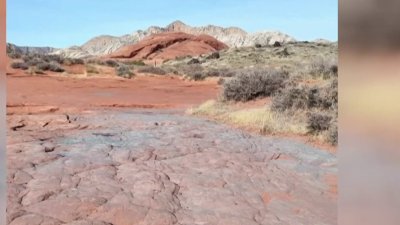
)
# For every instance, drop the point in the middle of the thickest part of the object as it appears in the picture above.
(261, 119)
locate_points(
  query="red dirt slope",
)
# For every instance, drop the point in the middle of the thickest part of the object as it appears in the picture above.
(169, 45)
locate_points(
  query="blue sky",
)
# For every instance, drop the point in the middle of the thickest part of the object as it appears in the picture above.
(62, 23)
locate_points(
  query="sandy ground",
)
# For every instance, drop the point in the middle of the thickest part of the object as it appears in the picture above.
(80, 152)
(142, 91)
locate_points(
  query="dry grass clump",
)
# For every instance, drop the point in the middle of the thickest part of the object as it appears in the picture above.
(90, 69)
(253, 83)
(50, 66)
(261, 119)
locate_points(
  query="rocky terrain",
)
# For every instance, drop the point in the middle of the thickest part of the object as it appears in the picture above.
(169, 45)
(127, 167)
(232, 36)
(113, 141)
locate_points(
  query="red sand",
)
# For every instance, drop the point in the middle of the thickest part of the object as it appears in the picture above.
(142, 91)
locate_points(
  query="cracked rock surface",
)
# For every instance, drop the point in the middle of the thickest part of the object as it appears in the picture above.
(158, 167)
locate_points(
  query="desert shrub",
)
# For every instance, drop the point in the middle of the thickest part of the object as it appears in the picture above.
(34, 61)
(124, 71)
(193, 61)
(191, 69)
(14, 55)
(223, 72)
(295, 97)
(51, 58)
(134, 63)
(152, 70)
(317, 122)
(78, 61)
(290, 98)
(51, 66)
(19, 65)
(325, 97)
(283, 53)
(252, 83)
(111, 63)
(323, 67)
(43, 66)
(196, 76)
(332, 134)
(258, 45)
(95, 61)
(170, 69)
(214, 55)
(73, 61)
(277, 44)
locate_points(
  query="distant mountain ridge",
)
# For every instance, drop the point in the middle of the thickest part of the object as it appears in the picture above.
(232, 36)
(12, 48)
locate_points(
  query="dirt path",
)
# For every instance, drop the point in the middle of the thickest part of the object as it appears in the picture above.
(158, 167)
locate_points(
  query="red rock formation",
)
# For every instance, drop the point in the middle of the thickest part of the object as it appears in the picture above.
(169, 45)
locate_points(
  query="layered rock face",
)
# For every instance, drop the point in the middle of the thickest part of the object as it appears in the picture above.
(169, 45)
(231, 36)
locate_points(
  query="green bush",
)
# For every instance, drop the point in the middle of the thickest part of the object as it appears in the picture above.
(252, 83)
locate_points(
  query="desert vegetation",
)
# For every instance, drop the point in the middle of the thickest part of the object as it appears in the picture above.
(253, 83)
(124, 71)
(38, 63)
(152, 70)
(300, 91)
(298, 82)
